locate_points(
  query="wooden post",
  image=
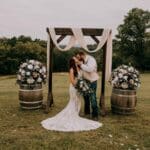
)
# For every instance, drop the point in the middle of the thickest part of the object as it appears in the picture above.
(102, 97)
(50, 70)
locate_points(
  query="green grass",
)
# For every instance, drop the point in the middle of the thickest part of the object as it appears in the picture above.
(21, 130)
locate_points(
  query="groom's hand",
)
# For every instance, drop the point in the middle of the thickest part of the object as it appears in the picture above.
(78, 62)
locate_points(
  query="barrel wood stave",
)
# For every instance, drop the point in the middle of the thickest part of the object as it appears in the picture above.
(30, 97)
(123, 101)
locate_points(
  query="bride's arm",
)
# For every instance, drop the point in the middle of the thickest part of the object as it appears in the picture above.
(71, 77)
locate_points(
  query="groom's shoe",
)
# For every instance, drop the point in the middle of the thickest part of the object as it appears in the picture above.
(88, 116)
(95, 118)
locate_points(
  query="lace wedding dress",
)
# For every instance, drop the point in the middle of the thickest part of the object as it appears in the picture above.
(68, 120)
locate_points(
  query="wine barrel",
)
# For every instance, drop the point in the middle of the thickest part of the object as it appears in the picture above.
(30, 96)
(123, 101)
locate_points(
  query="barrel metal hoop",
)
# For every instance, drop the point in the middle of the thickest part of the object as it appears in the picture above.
(24, 102)
(123, 95)
(125, 108)
(123, 113)
(31, 107)
(30, 90)
(114, 89)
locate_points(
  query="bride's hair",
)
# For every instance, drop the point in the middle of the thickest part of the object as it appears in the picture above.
(72, 65)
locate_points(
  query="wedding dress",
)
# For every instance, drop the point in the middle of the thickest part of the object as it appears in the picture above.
(68, 120)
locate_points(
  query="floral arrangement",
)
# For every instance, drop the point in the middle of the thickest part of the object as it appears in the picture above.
(31, 72)
(125, 77)
(83, 87)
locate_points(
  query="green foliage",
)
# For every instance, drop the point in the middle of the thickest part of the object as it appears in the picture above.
(13, 51)
(132, 42)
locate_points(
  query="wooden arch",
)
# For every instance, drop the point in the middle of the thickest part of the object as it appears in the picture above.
(63, 32)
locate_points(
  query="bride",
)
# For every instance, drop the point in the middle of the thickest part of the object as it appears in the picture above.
(68, 119)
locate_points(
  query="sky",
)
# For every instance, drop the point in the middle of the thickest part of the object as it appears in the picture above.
(31, 17)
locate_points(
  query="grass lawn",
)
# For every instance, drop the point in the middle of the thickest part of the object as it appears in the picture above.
(21, 130)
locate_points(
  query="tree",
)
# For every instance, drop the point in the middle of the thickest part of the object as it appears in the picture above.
(132, 39)
(14, 51)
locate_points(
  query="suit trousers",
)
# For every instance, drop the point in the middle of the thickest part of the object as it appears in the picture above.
(91, 101)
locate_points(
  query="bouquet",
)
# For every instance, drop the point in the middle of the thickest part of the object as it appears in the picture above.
(125, 77)
(31, 72)
(83, 87)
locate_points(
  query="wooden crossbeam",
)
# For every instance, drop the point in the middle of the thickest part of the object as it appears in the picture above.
(95, 39)
(86, 31)
(61, 38)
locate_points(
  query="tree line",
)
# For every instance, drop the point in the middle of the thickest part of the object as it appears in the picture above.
(130, 46)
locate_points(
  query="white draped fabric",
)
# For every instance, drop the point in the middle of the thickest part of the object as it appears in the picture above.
(71, 43)
(79, 37)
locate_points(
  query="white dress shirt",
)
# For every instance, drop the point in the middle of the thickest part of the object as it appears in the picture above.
(90, 69)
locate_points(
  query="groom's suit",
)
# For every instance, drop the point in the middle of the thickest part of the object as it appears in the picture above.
(89, 68)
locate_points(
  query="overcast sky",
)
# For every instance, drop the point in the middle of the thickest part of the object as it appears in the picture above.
(31, 17)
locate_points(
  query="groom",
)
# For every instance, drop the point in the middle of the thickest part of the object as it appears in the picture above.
(89, 66)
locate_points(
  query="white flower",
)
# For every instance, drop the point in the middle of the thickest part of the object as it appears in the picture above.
(31, 72)
(120, 75)
(23, 65)
(81, 85)
(39, 80)
(19, 77)
(121, 70)
(135, 84)
(44, 69)
(124, 85)
(113, 82)
(81, 81)
(40, 70)
(84, 89)
(35, 74)
(137, 72)
(20, 70)
(30, 67)
(30, 80)
(131, 81)
(125, 66)
(130, 69)
(23, 72)
(123, 73)
(37, 63)
(36, 67)
(44, 76)
(116, 79)
(31, 61)
(28, 73)
(125, 77)
(87, 88)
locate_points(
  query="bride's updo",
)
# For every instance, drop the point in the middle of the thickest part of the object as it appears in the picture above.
(72, 65)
